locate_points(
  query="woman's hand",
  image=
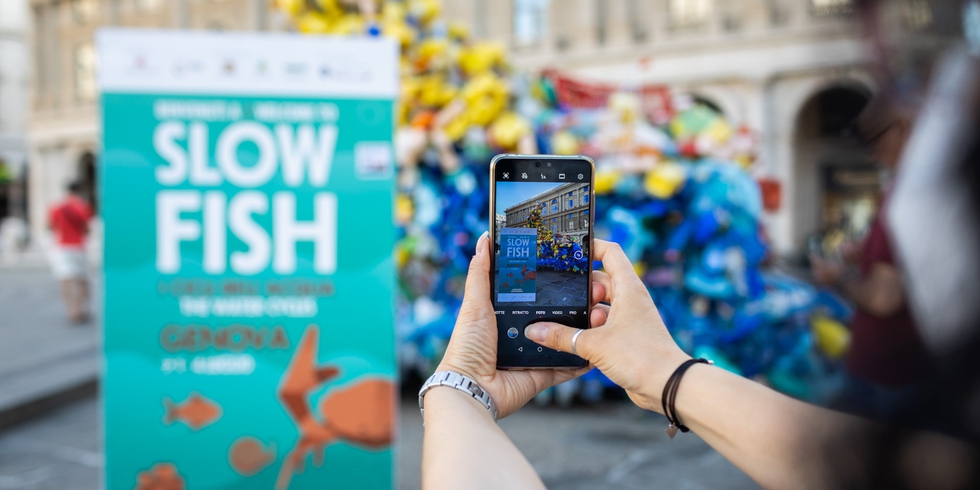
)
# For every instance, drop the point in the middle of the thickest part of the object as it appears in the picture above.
(472, 350)
(628, 341)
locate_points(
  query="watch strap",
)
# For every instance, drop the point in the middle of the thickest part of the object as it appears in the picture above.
(462, 383)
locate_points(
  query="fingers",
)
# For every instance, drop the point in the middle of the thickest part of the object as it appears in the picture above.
(613, 258)
(601, 287)
(599, 315)
(619, 269)
(559, 337)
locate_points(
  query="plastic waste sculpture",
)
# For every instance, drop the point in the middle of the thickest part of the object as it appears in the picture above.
(672, 183)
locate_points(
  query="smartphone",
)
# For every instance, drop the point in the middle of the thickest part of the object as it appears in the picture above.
(541, 209)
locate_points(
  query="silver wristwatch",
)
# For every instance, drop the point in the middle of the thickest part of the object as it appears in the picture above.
(462, 383)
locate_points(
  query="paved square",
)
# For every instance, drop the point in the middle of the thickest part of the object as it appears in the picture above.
(555, 288)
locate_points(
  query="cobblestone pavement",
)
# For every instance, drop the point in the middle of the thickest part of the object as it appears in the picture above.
(40, 351)
(557, 289)
(614, 447)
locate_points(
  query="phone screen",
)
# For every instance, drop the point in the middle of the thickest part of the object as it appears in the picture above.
(541, 225)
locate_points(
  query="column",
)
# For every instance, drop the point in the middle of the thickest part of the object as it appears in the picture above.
(180, 14)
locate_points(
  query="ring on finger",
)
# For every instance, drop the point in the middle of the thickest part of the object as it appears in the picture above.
(575, 340)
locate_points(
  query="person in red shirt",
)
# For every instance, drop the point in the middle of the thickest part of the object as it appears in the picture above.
(69, 220)
(887, 356)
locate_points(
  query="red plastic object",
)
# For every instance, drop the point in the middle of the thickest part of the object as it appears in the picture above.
(772, 193)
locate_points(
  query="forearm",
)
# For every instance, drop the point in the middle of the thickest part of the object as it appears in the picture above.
(776, 440)
(465, 448)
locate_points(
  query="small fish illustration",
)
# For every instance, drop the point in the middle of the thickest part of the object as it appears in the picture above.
(196, 411)
(248, 455)
(510, 274)
(162, 476)
(506, 285)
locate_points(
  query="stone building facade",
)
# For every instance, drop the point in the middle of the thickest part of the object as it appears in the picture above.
(64, 129)
(564, 210)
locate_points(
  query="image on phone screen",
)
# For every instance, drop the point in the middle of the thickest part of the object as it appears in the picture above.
(542, 237)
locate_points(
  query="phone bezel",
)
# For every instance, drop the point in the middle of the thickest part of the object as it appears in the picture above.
(493, 240)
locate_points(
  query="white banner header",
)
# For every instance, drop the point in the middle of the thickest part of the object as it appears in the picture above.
(237, 63)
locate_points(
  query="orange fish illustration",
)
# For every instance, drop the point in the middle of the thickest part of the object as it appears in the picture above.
(162, 476)
(510, 274)
(361, 413)
(248, 456)
(530, 275)
(196, 411)
(506, 284)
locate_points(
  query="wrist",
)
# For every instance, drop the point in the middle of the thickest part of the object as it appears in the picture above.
(656, 379)
(444, 398)
(449, 366)
(462, 383)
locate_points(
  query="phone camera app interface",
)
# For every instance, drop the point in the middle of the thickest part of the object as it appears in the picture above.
(541, 255)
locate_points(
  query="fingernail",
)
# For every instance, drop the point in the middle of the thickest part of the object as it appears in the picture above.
(536, 332)
(481, 243)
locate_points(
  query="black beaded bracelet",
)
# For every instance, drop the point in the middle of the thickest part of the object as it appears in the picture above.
(670, 395)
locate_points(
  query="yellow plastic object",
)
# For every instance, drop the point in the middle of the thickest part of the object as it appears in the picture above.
(564, 143)
(508, 129)
(347, 25)
(291, 7)
(331, 8)
(458, 31)
(831, 336)
(404, 209)
(435, 91)
(625, 105)
(485, 96)
(431, 54)
(313, 23)
(640, 268)
(399, 31)
(425, 11)
(606, 180)
(719, 131)
(665, 180)
(480, 58)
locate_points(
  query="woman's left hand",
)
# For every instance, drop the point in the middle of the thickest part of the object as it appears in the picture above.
(472, 350)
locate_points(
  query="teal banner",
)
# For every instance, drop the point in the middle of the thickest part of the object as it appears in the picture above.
(517, 269)
(247, 198)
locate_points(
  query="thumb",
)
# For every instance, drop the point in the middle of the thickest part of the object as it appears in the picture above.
(477, 289)
(559, 337)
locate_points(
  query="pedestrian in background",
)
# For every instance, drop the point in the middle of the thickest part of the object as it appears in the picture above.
(69, 220)
(887, 357)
